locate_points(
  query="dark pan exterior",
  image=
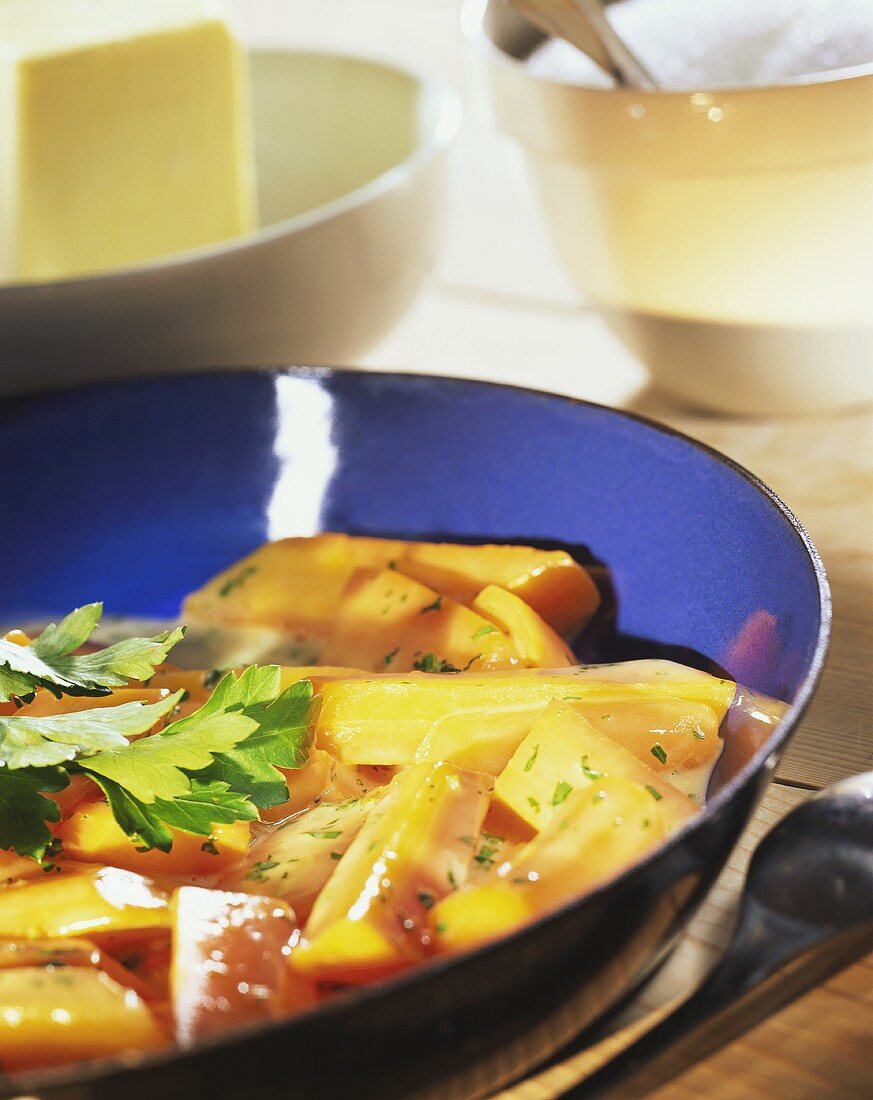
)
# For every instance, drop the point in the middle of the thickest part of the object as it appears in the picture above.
(154, 485)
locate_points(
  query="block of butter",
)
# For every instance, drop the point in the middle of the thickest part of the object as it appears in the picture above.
(124, 134)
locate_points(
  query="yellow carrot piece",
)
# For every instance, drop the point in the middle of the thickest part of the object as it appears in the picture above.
(667, 734)
(594, 834)
(415, 847)
(295, 860)
(296, 585)
(549, 581)
(94, 902)
(92, 835)
(535, 642)
(598, 832)
(474, 916)
(385, 719)
(57, 1015)
(390, 622)
(562, 753)
(481, 742)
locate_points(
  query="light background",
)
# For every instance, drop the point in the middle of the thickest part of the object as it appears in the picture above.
(499, 306)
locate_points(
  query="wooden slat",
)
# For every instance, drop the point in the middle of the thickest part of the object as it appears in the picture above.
(818, 1047)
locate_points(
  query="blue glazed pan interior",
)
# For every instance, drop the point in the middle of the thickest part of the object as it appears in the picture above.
(136, 492)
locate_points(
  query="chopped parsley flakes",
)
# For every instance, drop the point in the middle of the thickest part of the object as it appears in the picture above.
(587, 771)
(431, 663)
(258, 870)
(483, 630)
(561, 792)
(659, 753)
(236, 581)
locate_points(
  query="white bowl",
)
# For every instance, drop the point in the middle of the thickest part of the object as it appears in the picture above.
(725, 236)
(349, 155)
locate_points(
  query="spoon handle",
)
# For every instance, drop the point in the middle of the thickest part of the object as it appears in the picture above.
(766, 966)
(584, 25)
(628, 68)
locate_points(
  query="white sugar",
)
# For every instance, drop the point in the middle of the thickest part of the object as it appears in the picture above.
(727, 43)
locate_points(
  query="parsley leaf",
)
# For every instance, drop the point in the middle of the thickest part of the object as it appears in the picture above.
(27, 741)
(141, 822)
(587, 770)
(154, 767)
(259, 867)
(24, 811)
(147, 782)
(281, 739)
(206, 804)
(197, 811)
(49, 661)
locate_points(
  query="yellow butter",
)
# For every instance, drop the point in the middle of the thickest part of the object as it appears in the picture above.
(124, 134)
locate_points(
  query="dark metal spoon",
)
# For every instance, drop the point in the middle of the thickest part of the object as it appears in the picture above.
(806, 912)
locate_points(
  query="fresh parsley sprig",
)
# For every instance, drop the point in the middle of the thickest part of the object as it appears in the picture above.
(217, 765)
(49, 661)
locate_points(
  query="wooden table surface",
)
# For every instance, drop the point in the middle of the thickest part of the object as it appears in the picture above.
(499, 307)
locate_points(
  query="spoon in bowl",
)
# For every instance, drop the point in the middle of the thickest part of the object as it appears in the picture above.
(583, 24)
(806, 912)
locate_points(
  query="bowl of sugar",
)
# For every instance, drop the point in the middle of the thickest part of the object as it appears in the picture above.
(169, 201)
(723, 225)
